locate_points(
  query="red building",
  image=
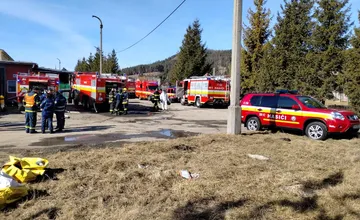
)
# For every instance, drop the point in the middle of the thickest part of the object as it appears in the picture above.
(8, 71)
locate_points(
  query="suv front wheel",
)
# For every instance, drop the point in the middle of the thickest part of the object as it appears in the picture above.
(316, 131)
(253, 124)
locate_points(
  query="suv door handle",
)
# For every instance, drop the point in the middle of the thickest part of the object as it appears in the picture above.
(259, 109)
(278, 111)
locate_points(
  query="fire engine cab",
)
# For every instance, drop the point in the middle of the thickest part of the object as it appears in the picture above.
(27, 81)
(130, 85)
(206, 90)
(145, 89)
(171, 92)
(92, 89)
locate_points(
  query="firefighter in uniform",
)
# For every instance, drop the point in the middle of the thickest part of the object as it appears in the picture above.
(112, 101)
(118, 106)
(43, 95)
(31, 103)
(125, 101)
(156, 99)
(60, 107)
(47, 106)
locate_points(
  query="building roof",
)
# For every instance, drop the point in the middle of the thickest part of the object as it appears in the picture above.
(48, 70)
(16, 63)
(5, 56)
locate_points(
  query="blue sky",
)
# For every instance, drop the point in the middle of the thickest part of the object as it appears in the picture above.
(44, 30)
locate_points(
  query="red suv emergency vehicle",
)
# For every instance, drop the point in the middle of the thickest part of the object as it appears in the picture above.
(287, 109)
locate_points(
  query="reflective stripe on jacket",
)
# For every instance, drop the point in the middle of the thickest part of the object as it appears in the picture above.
(125, 98)
(111, 97)
(60, 103)
(156, 96)
(31, 102)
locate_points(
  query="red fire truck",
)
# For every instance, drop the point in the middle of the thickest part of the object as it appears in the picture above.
(171, 92)
(130, 85)
(27, 81)
(92, 89)
(145, 89)
(206, 90)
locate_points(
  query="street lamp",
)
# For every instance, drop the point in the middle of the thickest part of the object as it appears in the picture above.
(101, 27)
(234, 116)
(59, 63)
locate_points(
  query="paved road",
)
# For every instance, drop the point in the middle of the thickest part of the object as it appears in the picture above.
(140, 125)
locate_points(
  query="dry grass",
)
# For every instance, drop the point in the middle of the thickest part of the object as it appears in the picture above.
(303, 179)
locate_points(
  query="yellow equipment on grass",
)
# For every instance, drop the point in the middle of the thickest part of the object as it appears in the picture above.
(25, 169)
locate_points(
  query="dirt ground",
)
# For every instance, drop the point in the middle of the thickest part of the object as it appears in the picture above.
(302, 179)
(140, 125)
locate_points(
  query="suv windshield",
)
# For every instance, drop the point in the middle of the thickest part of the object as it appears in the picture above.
(310, 102)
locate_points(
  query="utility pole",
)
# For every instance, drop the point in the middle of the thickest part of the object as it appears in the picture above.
(234, 116)
(59, 63)
(101, 27)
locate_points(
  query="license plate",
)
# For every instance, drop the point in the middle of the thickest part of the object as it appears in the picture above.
(356, 127)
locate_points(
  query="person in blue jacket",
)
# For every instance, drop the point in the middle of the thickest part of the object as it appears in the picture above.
(43, 95)
(47, 107)
(119, 106)
(60, 107)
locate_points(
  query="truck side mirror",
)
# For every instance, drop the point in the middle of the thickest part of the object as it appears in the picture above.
(295, 107)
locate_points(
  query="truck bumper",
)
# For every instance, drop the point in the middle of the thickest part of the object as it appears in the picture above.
(344, 126)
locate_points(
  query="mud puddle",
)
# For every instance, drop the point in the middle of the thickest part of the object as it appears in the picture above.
(114, 137)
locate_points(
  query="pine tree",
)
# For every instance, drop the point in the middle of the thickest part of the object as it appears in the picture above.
(78, 66)
(255, 37)
(330, 39)
(94, 61)
(82, 66)
(111, 63)
(286, 60)
(266, 82)
(352, 71)
(191, 60)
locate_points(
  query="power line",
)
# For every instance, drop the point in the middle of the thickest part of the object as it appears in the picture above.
(154, 28)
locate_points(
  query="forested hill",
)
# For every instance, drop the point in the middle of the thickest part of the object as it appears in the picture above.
(220, 59)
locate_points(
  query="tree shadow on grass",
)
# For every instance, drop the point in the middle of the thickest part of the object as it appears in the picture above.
(203, 209)
(32, 194)
(305, 204)
(51, 213)
(50, 174)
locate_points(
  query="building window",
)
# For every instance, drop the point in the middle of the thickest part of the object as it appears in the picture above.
(11, 86)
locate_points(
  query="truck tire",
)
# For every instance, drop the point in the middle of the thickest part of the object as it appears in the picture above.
(182, 101)
(253, 124)
(316, 131)
(85, 102)
(198, 102)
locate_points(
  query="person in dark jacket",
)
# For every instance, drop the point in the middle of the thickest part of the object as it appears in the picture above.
(125, 100)
(112, 100)
(119, 106)
(60, 107)
(43, 95)
(156, 99)
(31, 103)
(47, 107)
